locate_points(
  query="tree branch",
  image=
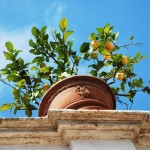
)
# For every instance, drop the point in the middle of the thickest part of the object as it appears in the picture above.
(11, 86)
(28, 109)
(17, 89)
(127, 45)
(121, 102)
(122, 94)
(113, 75)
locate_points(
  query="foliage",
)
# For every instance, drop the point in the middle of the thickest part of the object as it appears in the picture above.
(55, 59)
(118, 63)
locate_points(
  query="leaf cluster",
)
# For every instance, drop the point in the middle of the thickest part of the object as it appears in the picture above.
(51, 59)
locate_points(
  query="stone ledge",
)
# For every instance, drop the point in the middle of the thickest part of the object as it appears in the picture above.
(61, 126)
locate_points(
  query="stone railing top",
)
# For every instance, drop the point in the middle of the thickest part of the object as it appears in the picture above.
(61, 126)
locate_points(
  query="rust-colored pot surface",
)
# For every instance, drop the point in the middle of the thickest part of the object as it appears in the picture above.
(78, 92)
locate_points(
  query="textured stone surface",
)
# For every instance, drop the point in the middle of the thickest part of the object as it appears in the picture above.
(61, 126)
(34, 148)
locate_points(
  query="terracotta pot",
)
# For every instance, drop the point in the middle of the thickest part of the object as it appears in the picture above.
(78, 92)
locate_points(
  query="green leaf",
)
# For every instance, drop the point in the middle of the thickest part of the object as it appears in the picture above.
(43, 30)
(21, 61)
(34, 68)
(106, 30)
(57, 71)
(100, 30)
(84, 47)
(38, 59)
(115, 90)
(93, 72)
(5, 71)
(25, 99)
(32, 107)
(9, 46)
(138, 55)
(132, 94)
(21, 83)
(46, 36)
(61, 56)
(143, 56)
(137, 83)
(100, 65)
(94, 66)
(85, 56)
(35, 31)
(122, 86)
(108, 63)
(67, 34)
(53, 44)
(131, 38)
(92, 36)
(16, 94)
(35, 94)
(28, 113)
(12, 77)
(17, 52)
(44, 69)
(32, 44)
(33, 51)
(63, 24)
(15, 110)
(9, 56)
(130, 75)
(103, 73)
(44, 76)
(5, 107)
(146, 89)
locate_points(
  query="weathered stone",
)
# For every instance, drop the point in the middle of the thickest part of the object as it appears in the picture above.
(62, 126)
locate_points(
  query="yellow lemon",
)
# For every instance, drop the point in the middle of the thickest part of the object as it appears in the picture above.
(94, 55)
(124, 60)
(95, 44)
(107, 56)
(120, 76)
(109, 46)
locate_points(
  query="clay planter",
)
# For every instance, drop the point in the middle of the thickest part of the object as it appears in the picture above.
(78, 92)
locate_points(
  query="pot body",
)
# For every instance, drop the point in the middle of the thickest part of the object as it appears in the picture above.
(78, 92)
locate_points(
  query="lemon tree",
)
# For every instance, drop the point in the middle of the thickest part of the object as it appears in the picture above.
(55, 59)
(30, 80)
(119, 67)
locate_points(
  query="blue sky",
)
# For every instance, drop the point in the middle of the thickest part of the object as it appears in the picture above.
(129, 17)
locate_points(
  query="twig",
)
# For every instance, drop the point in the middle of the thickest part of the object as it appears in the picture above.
(112, 81)
(121, 102)
(28, 109)
(127, 45)
(113, 75)
(122, 94)
(11, 86)
(17, 89)
(130, 106)
(52, 57)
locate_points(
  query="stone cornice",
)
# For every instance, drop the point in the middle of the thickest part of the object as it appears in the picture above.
(61, 126)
